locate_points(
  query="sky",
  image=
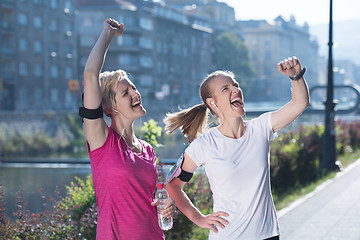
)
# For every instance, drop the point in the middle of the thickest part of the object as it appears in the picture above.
(311, 11)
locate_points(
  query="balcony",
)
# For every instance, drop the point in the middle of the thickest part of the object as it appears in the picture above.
(6, 27)
(7, 4)
(7, 53)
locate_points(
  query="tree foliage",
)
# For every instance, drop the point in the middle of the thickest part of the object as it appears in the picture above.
(232, 54)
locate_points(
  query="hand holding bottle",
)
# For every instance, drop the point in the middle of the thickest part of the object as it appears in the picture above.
(165, 207)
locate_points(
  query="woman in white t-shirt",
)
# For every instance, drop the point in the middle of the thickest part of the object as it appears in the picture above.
(235, 155)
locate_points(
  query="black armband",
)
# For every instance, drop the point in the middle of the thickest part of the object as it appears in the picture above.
(91, 113)
(185, 176)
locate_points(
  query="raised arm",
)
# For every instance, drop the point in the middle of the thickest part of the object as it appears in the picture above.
(96, 130)
(300, 99)
(185, 205)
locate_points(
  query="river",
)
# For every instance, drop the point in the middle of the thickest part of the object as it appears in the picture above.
(32, 177)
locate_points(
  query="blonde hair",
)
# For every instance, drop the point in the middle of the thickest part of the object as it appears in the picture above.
(107, 81)
(192, 121)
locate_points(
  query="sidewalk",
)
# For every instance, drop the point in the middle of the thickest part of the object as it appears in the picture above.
(331, 212)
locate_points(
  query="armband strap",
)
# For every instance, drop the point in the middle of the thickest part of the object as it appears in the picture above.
(91, 113)
(176, 171)
(185, 176)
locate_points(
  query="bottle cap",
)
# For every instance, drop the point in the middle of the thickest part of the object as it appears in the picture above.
(160, 185)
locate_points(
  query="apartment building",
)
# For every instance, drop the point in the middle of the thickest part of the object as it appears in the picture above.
(38, 55)
(268, 44)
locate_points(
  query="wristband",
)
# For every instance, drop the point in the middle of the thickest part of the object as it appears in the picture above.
(300, 75)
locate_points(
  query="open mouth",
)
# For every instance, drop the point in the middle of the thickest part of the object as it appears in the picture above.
(237, 102)
(136, 104)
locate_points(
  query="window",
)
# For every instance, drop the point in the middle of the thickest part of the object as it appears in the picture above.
(193, 42)
(87, 41)
(37, 2)
(268, 55)
(23, 44)
(128, 20)
(68, 29)
(126, 40)
(176, 49)
(54, 71)
(23, 69)
(67, 6)
(37, 46)
(53, 26)
(146, 61)
(158, 47)
(37, 70)
(185, 52)
(37, 22)
(159, 67)
(53, 4)
(38, 95)
(22, 96)
(165, 67)
(165, 48)
(146, 80)
(146, 23)
(53, 47)
(68, 99)
(68, 51)
(125, 60)
(54, 95)
(146, 42)
(22, 19)
(87, 22)
(68, 73)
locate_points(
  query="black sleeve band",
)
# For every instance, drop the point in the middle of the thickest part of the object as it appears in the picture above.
(185, 176)
(91, 113)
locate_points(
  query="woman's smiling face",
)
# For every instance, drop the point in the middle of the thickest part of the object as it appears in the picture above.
(128, 100)
(227, 97)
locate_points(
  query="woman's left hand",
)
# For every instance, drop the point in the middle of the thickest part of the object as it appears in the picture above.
(169, 209)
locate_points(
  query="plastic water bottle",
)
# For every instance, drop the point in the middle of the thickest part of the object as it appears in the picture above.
(161, 196)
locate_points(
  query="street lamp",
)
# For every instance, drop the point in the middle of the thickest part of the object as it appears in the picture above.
(329, 150)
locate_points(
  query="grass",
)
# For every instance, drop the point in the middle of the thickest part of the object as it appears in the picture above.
(285, 200)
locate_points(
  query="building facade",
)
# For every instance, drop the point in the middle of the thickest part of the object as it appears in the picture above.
(268, 44)
(38, 55)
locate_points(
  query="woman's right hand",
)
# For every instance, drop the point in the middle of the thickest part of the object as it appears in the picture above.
(213, 221)
(116, 28)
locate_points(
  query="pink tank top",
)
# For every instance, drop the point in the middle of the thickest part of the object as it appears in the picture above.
(124, 184)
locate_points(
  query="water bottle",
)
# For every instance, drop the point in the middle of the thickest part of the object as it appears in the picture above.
(161, 196)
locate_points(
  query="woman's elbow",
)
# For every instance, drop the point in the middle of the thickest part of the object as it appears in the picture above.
(173, 186)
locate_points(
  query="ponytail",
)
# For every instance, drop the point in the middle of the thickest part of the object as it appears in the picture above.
(191, 121)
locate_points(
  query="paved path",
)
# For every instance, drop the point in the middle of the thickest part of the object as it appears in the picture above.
(331, 212)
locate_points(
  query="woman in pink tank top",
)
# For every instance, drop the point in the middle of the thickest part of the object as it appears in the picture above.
(123, 166)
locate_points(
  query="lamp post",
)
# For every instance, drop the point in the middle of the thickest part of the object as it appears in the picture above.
(329, 150)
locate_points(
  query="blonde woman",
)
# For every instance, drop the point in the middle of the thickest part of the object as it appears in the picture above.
(235, 156)
(123, 166)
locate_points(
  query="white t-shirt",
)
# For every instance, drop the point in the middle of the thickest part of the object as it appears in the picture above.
(239, 175)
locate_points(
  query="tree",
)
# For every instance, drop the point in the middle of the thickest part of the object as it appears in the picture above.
(232, 54)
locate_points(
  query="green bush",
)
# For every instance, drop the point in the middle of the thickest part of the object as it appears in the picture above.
(295, 158)
(68, 137)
